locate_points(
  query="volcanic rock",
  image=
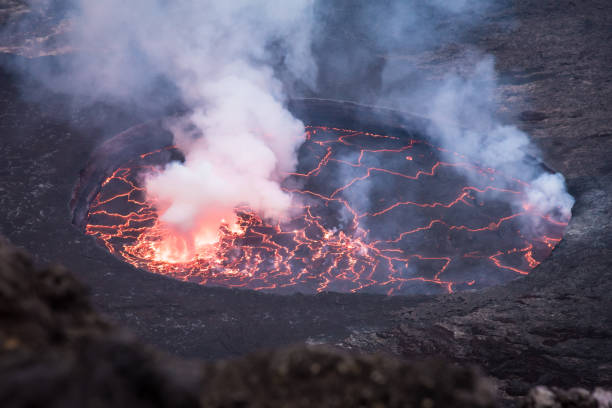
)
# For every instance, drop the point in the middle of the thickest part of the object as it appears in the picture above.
(544, 397)
(56, 351)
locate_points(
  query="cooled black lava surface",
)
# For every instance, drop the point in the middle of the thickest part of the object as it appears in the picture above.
(552, 327)
(385, 213)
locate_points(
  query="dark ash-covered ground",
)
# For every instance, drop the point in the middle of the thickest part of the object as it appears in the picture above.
(51, 340)
(553, 327)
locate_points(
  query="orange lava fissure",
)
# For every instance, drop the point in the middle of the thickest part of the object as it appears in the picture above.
(377, 213)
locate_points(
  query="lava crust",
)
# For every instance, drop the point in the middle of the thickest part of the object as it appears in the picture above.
(375, 213)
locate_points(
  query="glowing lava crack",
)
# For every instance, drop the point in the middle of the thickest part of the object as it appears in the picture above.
(378, 213)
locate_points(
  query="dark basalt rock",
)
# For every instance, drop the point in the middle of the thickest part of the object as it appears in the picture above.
(320, 377)
(56, 351)
(543, 397)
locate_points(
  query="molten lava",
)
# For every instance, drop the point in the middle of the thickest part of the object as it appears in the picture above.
(376, 213)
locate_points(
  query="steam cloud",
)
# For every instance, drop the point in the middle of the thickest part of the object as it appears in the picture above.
(455, 88)
(238, 138)
(463, 120)
(223, 59)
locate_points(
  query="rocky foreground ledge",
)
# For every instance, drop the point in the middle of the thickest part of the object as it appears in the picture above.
(57, 351)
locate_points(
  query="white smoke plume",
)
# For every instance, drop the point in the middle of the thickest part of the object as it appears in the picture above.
(222, 58)
(248, 142)
(426, 67)
(238, 138)
(463, 120)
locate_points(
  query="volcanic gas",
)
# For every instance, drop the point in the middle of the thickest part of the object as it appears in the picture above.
(374, 213)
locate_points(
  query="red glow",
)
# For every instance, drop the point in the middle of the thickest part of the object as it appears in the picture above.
(402, 241)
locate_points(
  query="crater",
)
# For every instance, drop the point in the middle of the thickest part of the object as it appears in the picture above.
(377, 207)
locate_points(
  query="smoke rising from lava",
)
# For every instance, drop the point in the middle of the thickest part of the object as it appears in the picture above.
(245, 149)
(237, 136)
(233, 64)
(463, 120)
(425, 67)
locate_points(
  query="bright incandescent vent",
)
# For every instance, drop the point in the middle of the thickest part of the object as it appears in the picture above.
(374, 213)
